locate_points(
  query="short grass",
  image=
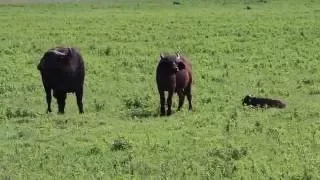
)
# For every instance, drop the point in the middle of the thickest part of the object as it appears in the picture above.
(266, 48)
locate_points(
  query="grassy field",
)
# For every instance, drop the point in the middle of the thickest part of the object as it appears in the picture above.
(265, 48)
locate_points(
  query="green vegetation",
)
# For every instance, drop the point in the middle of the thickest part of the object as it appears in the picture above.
(267, 48)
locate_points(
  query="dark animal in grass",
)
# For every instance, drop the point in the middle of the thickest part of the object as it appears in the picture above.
(173, 75)
(262, 102)
(176, 3)
(62, 71)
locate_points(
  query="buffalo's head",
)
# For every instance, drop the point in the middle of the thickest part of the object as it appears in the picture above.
(58, 59)
(62, 56)
(172, 64)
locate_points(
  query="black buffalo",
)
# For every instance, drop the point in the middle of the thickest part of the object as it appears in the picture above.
(262, 102)
(173, 74)
(62, 71)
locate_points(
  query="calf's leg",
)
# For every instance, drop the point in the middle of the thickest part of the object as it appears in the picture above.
(181, 95)
(189, 95)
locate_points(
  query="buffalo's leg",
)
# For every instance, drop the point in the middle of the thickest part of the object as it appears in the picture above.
(79, 95)
(49, 98)
(169, 101)
(61, 100)
(162, 103)
(181, 95)
(189, 95)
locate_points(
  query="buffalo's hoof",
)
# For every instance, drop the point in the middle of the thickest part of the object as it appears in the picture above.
(162, 112)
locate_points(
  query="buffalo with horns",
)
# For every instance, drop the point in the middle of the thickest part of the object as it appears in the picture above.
(62, 71)
(173, 75)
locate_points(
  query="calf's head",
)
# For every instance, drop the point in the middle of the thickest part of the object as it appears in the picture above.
(172, 64)
(246, 99)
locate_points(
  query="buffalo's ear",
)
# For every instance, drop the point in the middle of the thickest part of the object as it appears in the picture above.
(39, 67)
(181, 65)
(245, 100)
(42, 61)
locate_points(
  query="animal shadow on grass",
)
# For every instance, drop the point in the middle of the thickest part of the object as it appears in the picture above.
(138, 107)
(120, 144)
(19, 113)
(176, 3)
(142, 113)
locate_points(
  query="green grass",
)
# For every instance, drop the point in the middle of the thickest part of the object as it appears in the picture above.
(270, 50)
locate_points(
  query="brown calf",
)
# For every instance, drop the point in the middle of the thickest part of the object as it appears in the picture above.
(173, 75)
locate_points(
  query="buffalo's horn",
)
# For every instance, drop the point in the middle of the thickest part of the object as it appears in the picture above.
(178, 56)
(57, 52)
(161, 55)
(69, 50)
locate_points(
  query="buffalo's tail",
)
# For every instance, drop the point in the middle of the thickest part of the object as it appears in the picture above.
(282, 105)
(279, 104)
(39, 67)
